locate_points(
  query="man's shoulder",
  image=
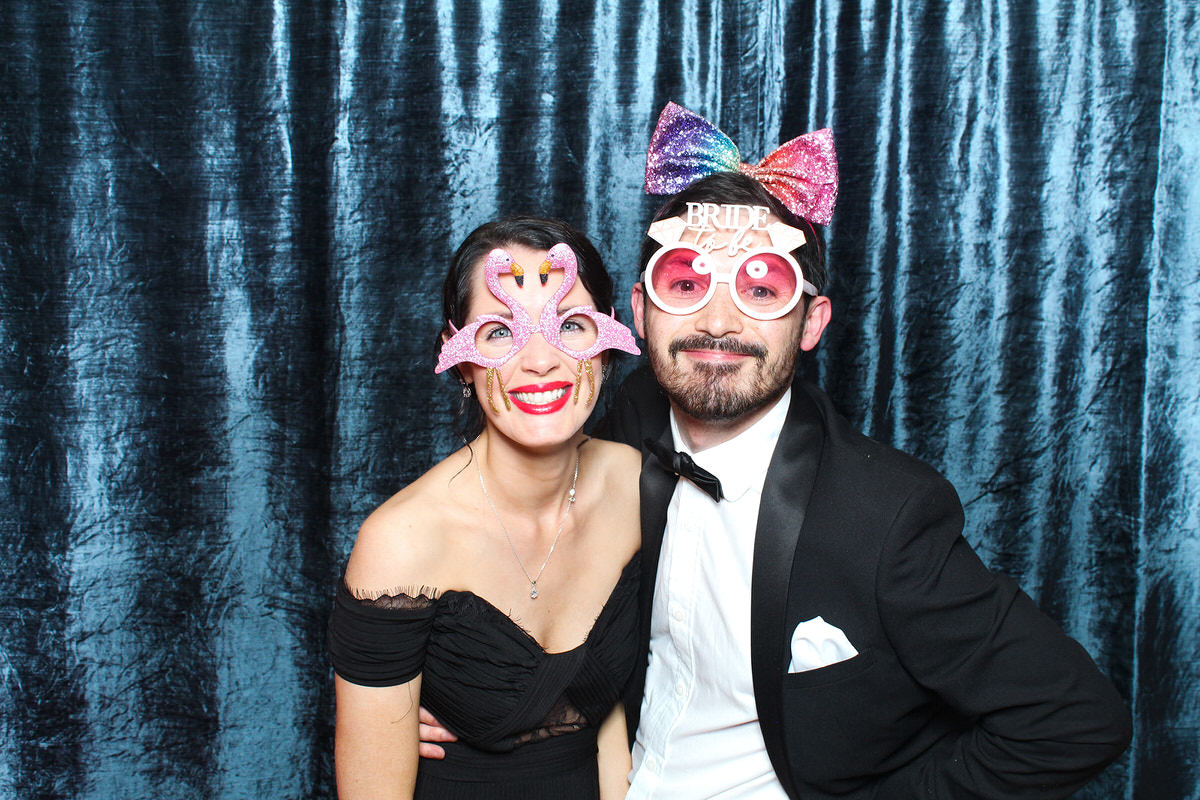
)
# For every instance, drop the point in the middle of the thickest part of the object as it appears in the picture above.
(851, 448)
(863, 486)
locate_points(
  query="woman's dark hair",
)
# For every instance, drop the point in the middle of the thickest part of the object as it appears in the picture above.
(537, 233)
(736, 188)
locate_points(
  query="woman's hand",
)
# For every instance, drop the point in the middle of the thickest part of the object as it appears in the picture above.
(432, 731)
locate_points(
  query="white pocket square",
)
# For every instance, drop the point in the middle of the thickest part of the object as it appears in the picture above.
(816, 644)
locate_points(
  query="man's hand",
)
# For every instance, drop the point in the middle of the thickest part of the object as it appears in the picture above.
(430, 731)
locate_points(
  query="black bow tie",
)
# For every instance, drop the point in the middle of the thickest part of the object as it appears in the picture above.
(683, 466)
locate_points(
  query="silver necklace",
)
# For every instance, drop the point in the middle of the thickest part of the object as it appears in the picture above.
(533, 590)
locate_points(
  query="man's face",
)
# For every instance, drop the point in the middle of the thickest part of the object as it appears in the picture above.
(717, 363)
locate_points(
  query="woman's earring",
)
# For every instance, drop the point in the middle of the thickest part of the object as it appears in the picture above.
(493, 375)
(466, 390)
(585, 365)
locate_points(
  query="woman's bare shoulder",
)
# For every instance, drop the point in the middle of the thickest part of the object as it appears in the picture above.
(620, 464)
(404, 541)
(614, 453)
(620, 468)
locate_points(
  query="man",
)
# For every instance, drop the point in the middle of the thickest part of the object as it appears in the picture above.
(813, 623)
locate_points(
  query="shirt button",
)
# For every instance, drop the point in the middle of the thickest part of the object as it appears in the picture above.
(681, 688)
(676, 612)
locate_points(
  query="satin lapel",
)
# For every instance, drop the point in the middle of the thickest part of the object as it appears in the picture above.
(656, 487)
(781, 514)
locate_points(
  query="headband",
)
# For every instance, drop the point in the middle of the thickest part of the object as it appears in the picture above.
(802, 174)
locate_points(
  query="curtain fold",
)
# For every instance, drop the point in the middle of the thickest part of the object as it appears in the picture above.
(222, 238)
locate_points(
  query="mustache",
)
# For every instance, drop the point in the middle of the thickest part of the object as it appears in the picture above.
(699, 341)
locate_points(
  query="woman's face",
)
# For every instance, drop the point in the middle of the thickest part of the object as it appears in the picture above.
(547, 402)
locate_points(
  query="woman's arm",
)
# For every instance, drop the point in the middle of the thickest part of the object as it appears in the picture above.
(375, 745)
(614, 759)
(379, 639)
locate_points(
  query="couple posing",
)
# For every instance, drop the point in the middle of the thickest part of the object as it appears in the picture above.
(758, 599)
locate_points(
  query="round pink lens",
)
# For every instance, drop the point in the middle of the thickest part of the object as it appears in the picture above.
(766, 282)
(675, 280)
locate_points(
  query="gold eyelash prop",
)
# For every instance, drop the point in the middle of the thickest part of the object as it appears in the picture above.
(493, 375)
(585, 365)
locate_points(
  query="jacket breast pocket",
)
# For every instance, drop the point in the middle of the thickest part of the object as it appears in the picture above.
(834, 673)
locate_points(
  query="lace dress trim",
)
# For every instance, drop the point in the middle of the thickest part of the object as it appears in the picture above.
(402, 599)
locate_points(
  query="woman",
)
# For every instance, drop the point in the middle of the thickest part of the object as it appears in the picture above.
(499, 589)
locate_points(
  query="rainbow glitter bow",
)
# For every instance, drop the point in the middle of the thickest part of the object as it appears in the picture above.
(685, 146)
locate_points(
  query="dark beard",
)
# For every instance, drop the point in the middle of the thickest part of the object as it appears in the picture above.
(710, 393)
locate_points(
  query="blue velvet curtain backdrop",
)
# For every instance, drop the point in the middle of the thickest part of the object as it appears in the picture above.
(222, 233)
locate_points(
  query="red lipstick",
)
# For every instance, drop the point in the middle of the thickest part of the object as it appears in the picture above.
(541, 398)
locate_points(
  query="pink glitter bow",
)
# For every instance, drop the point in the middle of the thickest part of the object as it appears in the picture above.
(685, 146)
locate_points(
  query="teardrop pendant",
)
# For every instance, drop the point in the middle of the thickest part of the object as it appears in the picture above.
(533, 591)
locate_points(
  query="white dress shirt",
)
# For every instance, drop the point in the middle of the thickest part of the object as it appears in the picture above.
(699, 736)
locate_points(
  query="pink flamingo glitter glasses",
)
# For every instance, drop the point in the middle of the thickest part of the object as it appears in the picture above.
(490, 340)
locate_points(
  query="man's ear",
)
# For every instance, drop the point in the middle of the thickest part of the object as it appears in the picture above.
(820, 311)
(637, 302)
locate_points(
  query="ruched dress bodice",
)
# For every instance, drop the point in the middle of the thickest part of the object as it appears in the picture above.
(526, 719)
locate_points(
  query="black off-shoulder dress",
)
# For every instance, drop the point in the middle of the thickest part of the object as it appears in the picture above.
(526, 720)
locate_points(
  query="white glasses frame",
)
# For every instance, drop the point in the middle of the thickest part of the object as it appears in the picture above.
(728, 278)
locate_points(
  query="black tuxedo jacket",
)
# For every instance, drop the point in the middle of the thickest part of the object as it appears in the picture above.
(961, 687)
